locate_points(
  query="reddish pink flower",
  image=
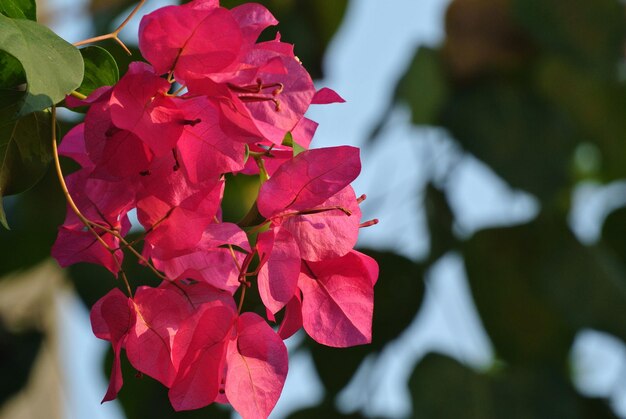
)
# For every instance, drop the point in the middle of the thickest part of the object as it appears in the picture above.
(192, 40)
(111, 319)
(256, 368)
(139, 104)
(338, 299)
(309, 197)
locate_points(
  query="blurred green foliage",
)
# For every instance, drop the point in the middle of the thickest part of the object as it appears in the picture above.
(536, 90)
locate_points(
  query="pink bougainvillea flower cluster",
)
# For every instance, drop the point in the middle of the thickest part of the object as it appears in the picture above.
(213, 101)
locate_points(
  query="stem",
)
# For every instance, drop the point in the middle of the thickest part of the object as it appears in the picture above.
(78, 95)
(114, 35)
(70, 201)
(242, 278)
(241, 298)
(262, 170)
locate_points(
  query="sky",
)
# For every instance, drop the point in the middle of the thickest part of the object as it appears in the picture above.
(368, 54)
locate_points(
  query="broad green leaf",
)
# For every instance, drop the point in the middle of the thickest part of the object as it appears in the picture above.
(12, 86)
(19, 9)
(100, 69)
(53, 67)
(535, 286)
(443, 388)
(25, 152)
(424, 87)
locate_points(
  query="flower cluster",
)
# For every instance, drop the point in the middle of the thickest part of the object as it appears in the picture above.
(215, 101)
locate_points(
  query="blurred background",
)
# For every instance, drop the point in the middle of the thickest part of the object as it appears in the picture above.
(493, 137)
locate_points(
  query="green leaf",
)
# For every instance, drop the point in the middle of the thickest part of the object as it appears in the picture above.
(595, 104)
(52, 66)
(289, 142)
(443, 388)
(100, 69)
(589, 34)
(520, 135)
(505, 272)
(424, 87)
(535, 286)
(12, 86)
(25, 152)
(19, 9)
(440, 220)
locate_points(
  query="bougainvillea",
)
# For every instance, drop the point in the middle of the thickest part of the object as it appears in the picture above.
(213, 101)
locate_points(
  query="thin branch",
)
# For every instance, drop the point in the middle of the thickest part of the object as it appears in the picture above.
(70, 201)
(115, 34)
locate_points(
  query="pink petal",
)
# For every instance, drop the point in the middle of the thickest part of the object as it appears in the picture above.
(160, 313)
(303, 132)
(295, 98)
(338, 300)
(205, 150)
(206, 261)
(200, 369)
(256, 368)
(74, 245)
(326, 96)
(253, 19)
(278, 277)
(111, 319)
(203, 4)
(99, 94)
(292, 321)
(370, 265)
(309, 179)
(73, 146)
(199, 294)
(138, 105)
(329, 233)
(190, 41)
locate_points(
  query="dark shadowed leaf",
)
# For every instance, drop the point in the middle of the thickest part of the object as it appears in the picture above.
(535, 285)
(25, 152)
(326, 411)
(524, 139)
(614, 233)
(443, 388)
(12, 86)
(100, 69)
(424, 87)
(596, 104)
(336, 366)
(440, 220)
(398, 296)
(589, 34)
(53, 67)
(19, 9)
(17, 353)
